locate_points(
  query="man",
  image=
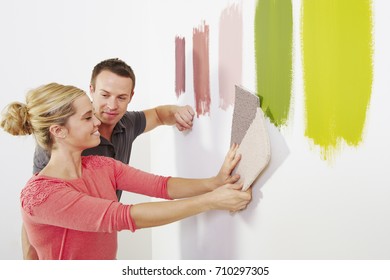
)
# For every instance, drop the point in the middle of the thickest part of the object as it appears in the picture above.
(111, 89)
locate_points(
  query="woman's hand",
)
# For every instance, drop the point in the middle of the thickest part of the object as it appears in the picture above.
(224, 175)
(229, 197)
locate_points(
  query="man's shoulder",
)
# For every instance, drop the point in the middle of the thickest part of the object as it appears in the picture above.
(133, 119)
(132, 115)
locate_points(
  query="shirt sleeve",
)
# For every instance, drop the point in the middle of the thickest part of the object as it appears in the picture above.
(137, 121)
(41, 158)
(54, 203)
(137, 181)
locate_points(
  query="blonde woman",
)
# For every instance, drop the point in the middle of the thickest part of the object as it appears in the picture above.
(70, 209)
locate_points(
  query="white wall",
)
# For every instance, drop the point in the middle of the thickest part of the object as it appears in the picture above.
(302, 208)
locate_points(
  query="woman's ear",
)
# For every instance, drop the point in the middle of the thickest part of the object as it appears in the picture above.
(58, 131)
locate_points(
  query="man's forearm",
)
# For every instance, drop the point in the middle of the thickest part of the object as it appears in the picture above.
(181, 116)
(166, 114)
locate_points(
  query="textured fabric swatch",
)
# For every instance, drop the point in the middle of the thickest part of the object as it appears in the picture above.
(245, 106)
(250, 132)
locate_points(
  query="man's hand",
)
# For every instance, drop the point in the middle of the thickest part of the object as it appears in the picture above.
(184, 117)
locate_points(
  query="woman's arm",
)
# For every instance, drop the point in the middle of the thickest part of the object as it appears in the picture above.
(29, 252)
(182, 187)
(228, 197)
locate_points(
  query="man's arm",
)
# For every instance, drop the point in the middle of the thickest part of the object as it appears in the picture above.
(181, 116)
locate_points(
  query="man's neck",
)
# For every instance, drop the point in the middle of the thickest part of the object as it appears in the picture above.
(106, 131)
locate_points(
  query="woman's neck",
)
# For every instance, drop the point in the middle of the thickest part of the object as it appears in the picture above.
(64, 165)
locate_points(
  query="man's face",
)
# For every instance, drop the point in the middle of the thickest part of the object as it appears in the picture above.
(110, 97)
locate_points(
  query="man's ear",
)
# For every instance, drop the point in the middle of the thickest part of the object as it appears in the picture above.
(131, 96)
(91, 89)
(58, 131)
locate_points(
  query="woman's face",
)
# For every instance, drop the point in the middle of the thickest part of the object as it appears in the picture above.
(82, 127)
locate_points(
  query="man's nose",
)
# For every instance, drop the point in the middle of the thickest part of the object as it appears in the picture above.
(112, 104)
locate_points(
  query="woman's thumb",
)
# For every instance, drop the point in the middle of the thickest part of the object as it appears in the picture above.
(237, 186)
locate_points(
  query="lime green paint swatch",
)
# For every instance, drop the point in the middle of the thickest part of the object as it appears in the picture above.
(273, 50)
(338, 71)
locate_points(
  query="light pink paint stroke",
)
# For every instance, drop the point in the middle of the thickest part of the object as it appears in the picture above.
(200, 55)
(230, 54)
(180, 81)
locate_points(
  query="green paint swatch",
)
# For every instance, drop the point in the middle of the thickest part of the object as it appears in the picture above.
(337, 64)
(273, 47)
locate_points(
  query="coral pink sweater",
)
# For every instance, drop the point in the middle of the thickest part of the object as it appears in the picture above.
(80, 218)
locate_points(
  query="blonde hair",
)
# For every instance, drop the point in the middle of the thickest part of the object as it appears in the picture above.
(45, 106)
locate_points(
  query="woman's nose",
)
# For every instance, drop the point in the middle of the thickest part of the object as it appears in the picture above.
(96, 121)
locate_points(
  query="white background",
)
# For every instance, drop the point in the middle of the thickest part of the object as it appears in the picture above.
(303, 207)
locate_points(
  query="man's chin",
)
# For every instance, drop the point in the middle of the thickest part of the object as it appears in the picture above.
(109, 120)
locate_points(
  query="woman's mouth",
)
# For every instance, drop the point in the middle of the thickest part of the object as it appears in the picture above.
(96, 133)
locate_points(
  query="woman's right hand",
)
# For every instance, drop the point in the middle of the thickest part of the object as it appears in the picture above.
(229, 197)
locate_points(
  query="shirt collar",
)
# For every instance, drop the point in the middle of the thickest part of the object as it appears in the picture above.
(119, 127)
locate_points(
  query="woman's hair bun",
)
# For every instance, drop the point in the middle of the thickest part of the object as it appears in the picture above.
(15, 119)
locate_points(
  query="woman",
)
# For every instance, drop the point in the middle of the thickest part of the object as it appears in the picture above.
(70, 209)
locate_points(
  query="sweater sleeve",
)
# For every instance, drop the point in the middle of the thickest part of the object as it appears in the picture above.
(52, 202)
(137, 181)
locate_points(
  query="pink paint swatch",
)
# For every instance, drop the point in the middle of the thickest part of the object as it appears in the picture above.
(180, 84)
(200, 55)
(230, 54)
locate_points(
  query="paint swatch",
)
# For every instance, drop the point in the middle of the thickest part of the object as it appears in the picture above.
(180, 63)
(338, 71)
(230, 54)
(200, 55)
(249, 130)
(273, 50)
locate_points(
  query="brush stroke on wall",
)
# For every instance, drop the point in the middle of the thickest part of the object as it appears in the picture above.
(230, 54)
(337, 63)
(201, 69)
(273, 50)
(180, 69)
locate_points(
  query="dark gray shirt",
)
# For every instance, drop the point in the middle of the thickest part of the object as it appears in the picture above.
(129, 127)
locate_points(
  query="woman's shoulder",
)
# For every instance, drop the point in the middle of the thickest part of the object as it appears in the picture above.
(37, 190)
(97, 161)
